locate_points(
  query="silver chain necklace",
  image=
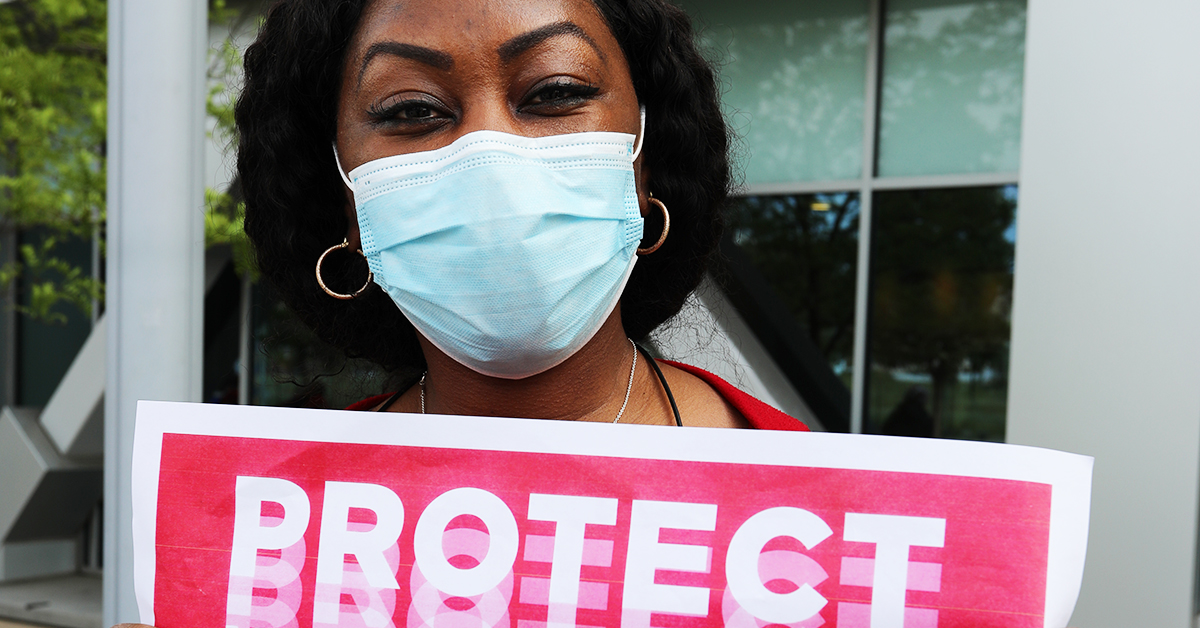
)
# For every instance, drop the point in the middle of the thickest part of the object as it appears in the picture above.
(620, 413)
(629, 386)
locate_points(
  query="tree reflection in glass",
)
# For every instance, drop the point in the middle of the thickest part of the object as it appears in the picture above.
(794, 75)
(951, 89)
(941, 299)
(805, 246)
(293, 368)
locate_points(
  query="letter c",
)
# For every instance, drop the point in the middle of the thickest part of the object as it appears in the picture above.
(741, 564)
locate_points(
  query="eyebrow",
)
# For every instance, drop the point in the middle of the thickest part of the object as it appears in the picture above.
(518, 45)
(421, 54)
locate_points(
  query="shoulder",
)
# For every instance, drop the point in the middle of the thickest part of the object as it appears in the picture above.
(369, 403)
(756, 414)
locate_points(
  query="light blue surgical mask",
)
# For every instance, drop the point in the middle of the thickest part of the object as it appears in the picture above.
(508, 253)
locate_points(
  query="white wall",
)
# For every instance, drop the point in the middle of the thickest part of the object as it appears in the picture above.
(155, 253)
(1106, 317)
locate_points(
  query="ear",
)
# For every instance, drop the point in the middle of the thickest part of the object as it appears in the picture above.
(352, 234)
(642, 177)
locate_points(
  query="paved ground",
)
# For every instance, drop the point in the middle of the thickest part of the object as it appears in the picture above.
(63, 601)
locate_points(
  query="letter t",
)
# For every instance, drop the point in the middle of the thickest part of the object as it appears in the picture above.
(892, 536)
(571, 514)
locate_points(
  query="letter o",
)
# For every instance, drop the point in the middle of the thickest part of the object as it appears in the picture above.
(741, 564)
(502, 542)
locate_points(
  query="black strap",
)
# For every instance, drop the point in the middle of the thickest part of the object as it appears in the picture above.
(663, 380)
(387, 404)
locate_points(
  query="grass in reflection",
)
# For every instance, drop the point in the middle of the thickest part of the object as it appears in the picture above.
(941, 299)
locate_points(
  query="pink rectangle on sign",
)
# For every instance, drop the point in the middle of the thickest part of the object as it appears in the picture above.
(592, 595)
(535, 591)
(851, 615)
(539, 548)
(860, 572)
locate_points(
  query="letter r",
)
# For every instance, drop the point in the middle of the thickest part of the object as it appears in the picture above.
(368, 546)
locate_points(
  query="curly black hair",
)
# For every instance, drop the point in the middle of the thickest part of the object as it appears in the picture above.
(294, 200)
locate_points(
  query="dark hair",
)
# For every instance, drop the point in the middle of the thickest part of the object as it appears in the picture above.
(294, 199)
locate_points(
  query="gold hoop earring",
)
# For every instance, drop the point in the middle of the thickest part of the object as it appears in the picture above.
(666, 229)
(321, 282)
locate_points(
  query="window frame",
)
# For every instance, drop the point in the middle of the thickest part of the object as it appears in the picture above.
(866, 186)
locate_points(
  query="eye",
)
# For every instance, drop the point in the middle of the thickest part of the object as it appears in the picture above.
(558, 94)
(407, 111)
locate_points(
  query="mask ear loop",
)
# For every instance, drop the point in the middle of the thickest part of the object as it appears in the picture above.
(637, 150)
(350, 186)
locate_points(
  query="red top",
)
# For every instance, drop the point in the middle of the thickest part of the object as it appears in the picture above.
(760, 415)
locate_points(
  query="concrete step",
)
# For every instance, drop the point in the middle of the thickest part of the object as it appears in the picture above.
(63, 602)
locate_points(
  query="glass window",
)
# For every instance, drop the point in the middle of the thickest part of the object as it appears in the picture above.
(805, 247)
(46, 349)
(941, 298)
(951, 89)
(292, 367)
(222, 335)
(790, 271)
(793, 75)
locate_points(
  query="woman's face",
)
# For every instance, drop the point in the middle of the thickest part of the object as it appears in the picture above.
(420, 74)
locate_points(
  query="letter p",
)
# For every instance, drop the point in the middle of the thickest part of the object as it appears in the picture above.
(249, 535)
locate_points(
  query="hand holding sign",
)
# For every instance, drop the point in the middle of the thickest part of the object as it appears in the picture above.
(270, 517)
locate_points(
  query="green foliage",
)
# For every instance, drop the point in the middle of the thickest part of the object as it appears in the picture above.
(52, 133)
(224, 213)
(52, 280)
(53, 89)
(224, 219)
(222, 74)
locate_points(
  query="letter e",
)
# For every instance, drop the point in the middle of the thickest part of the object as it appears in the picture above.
(647, 555)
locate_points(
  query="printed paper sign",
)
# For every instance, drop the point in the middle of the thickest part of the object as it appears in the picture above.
(251, 517)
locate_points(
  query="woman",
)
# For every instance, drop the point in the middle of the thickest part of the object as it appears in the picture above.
(532, 183)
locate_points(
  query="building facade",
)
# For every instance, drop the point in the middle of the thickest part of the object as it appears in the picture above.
(971, 219)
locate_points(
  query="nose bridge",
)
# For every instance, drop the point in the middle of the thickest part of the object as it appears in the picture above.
(489, 110)
(484, 99)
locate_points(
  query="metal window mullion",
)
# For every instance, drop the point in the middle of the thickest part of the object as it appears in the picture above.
(8, 323)
(923, 182)
(799, 187)
(863, 269)
(965, 180)
(245, 351)
(97, 276)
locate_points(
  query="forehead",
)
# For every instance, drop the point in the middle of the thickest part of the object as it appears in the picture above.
(462, 24)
